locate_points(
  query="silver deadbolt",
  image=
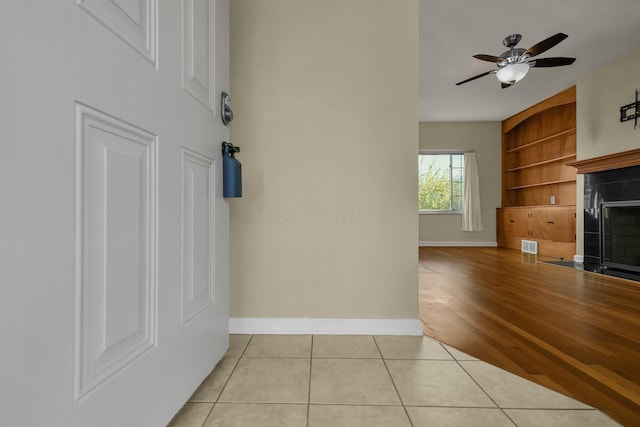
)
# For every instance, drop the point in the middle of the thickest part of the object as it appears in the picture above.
(227, 113)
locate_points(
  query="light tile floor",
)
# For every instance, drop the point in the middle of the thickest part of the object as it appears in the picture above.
(386, 381)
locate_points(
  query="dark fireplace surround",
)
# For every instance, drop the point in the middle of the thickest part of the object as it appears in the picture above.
(600, 189)
(612, 186)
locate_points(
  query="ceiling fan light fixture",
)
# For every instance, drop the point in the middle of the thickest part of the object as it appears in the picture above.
(513, 65)
(512, 73)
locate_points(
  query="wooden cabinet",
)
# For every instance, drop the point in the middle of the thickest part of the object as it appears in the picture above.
(554, 224)
(512, 223)
(538, 187)
(554, 228)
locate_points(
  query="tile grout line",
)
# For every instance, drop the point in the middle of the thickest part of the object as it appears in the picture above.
(208, 415)
(230, 374)
(215, 402)
(384, 361)
(309, 390)
(478, 384)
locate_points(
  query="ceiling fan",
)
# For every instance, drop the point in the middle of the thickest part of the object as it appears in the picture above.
(514, 64)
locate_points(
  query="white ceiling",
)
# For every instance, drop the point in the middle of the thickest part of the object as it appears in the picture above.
(452, 31)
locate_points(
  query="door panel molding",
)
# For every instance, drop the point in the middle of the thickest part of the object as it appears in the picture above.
(116, 287)
(133, 21)
(198, 51)
(198, 193)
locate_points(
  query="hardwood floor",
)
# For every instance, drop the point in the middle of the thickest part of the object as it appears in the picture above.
(575, 332)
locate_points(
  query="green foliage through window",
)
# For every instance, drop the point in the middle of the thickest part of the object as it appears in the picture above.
(440, 181)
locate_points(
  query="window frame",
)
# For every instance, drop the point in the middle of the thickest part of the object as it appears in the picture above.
(449, 153)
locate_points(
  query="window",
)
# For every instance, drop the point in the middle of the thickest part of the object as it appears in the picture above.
(440, 181)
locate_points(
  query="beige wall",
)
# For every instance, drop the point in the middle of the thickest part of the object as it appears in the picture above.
(599, 97)
(326, 101)
(485, 139)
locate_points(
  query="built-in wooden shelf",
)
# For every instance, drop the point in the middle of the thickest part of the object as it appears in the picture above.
(537, 144)
(611, 161)
(544, 162)
(565, 97)
(540, 184)
(541, 140)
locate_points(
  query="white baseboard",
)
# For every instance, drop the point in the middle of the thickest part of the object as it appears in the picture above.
(304, 326)
(578, 258)
(462, 243)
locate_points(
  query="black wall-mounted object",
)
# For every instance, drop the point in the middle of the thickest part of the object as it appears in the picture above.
(231, 171)
(225, 109)
(625, 108)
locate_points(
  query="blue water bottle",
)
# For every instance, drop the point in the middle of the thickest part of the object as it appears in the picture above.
(231, 171)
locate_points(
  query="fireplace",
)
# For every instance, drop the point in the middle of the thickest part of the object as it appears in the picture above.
(620, 235)
(612, 222)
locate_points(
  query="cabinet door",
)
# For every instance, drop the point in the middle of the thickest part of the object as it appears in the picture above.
(554, 224)
(515, 222)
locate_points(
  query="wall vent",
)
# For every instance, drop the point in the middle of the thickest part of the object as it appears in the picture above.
(530, 246)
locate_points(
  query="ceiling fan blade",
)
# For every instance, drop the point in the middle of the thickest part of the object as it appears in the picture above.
(475, 77)
(545, 44)
(489, 58)
(505, 85)
(551, 62)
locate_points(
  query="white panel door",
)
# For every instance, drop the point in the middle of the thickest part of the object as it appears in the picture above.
(113, 230)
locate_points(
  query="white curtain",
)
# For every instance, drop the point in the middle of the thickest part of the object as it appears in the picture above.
(471, 216)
